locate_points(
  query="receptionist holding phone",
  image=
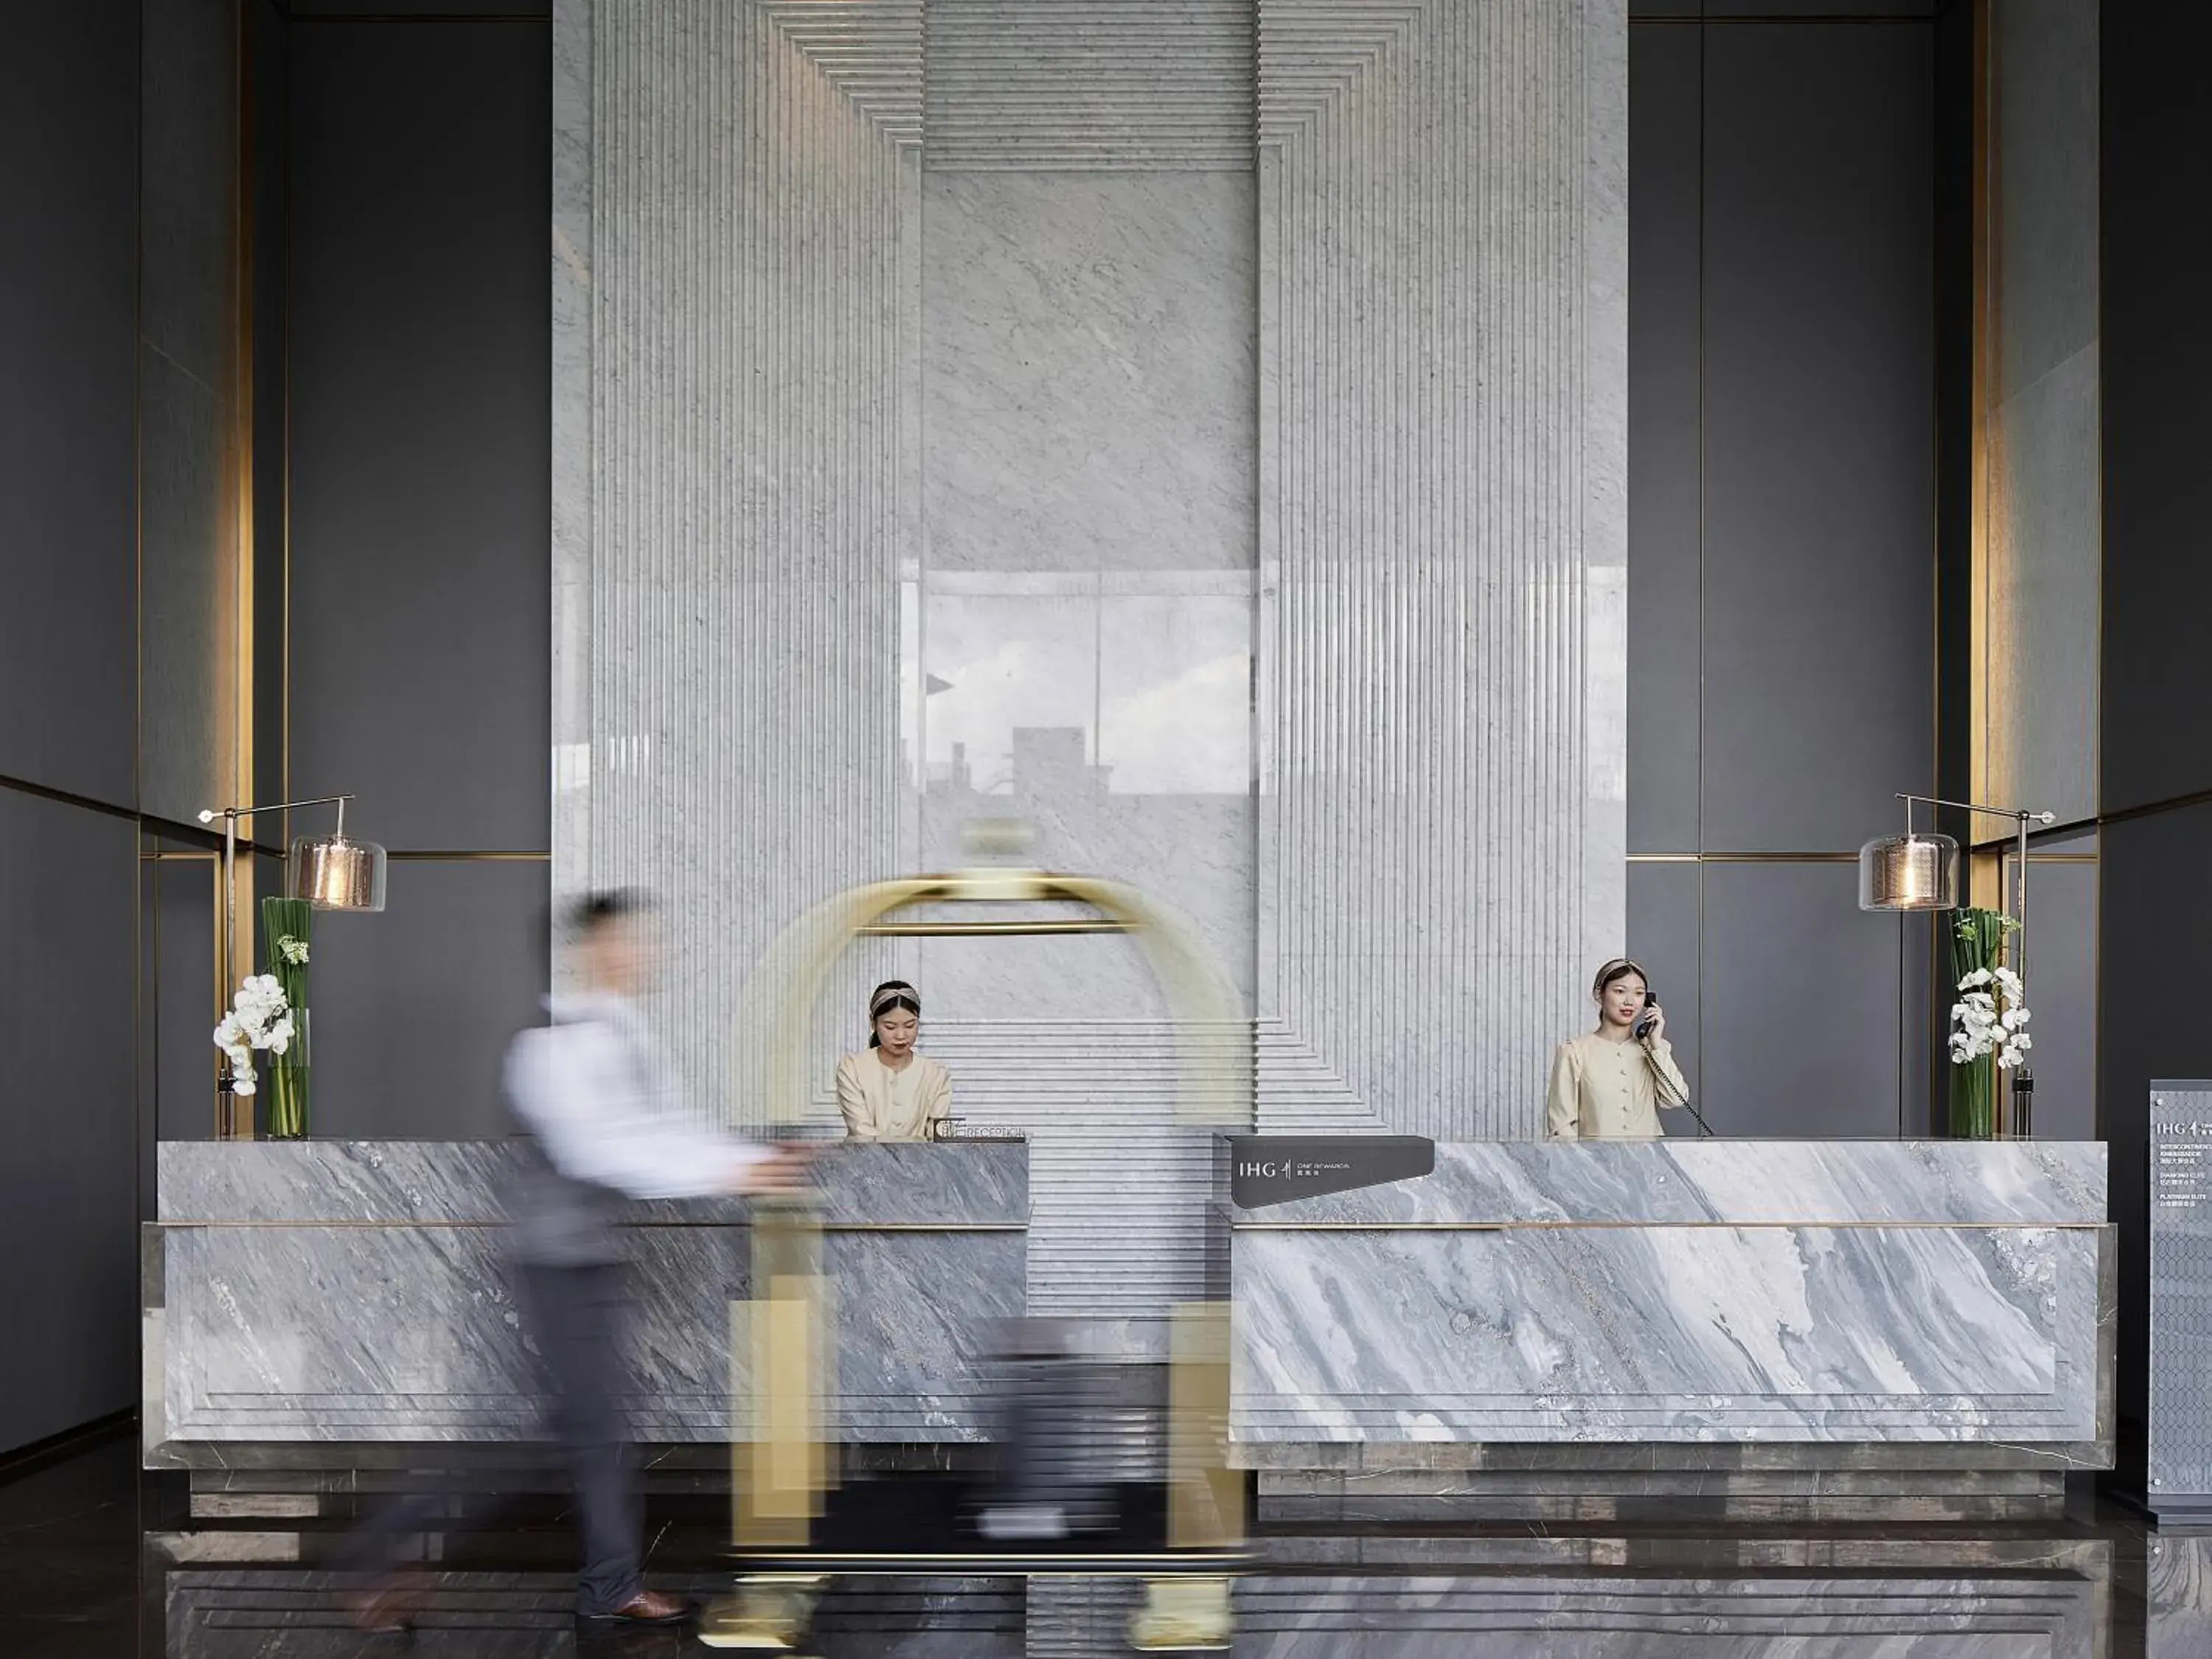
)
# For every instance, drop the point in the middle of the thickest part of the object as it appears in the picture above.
(1611, 1084)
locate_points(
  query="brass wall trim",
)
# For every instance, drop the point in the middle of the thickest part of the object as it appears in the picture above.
(202, 1223)
(1766, 19)
(64, 796)
(1658, 1226)
(1743, 858)
(542, 18)
(439, 857)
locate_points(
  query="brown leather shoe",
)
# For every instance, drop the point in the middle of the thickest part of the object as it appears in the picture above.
(650, 1607)
(389, 1611)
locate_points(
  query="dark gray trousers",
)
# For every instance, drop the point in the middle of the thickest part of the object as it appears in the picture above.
(577, 1315)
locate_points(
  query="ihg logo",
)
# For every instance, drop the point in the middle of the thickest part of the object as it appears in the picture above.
(1267, 1170)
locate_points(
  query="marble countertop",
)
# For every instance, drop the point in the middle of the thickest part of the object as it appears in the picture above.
(458, 1183)
(1739, 1182)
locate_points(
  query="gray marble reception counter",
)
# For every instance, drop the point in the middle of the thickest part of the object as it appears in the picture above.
(317, 1292)
(1742, 1307)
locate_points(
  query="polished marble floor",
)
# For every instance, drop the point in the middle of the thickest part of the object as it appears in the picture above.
(100, 1562)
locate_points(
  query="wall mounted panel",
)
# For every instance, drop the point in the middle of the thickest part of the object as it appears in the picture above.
(68, 98)
(418, 391)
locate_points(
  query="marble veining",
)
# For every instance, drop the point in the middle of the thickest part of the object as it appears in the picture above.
(396, 1181)
(341, 1291)
(1645, 1333)
(2014, 1183)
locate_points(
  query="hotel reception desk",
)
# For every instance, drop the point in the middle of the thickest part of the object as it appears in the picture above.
(298, 1294)
(1829, 1331)
(1556, 1330)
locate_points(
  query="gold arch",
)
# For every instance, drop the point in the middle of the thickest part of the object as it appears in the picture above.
(784, 1461)
(1213, 1038)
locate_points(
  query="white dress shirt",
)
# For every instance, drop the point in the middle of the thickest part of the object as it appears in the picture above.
(593, 1089)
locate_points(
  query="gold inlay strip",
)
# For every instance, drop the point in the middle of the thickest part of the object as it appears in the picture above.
(396, 857)
(447, 1225)
(1645, 1226)
(1743, 858)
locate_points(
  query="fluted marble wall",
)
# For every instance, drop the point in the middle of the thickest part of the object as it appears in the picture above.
(1442, 662)
(1193, 426)
(734, 465)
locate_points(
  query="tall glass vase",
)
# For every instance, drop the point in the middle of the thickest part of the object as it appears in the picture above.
(285, 925)
(1977, 942)
(288, 1084)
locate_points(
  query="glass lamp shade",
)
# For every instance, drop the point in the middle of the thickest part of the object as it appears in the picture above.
(1909, 873)
(334, 873)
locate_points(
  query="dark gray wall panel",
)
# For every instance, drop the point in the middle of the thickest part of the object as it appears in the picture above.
(184, 592)
(1664, 901)
(2062, 918)
(1802, 994)
(68, 88)
(2157, 658)
(1818, 432)
(2157, 358)
(188, 306)
(413, 1008)
(2153, 905)
(1663, 460)
(69, 899)
(182, 1000)
(188, 311)
(420, 428)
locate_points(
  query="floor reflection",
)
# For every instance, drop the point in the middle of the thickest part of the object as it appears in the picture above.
(99, 1563)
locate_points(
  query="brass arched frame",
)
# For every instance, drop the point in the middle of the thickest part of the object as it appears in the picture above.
(785, 1461)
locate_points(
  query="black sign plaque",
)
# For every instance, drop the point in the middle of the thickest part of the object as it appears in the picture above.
(1266, 1169)
(2180, 1301)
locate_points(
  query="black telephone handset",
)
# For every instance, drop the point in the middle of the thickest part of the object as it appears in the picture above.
(1647, 1019)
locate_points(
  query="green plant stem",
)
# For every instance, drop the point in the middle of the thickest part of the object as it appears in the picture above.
(283, 918)
(1977, 942)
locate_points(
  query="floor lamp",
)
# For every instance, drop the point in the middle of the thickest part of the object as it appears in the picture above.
(331, 872)
(1915, 872)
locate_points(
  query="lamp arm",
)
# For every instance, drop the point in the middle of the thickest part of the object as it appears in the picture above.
(210, 814)
(2024, 817)
(2022, 813)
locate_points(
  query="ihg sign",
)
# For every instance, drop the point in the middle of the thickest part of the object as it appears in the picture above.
(1266, 1169)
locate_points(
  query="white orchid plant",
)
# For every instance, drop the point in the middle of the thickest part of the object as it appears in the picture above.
(1991, 1017)
(260, 1017)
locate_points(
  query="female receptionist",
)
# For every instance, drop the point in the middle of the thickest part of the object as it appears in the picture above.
(1609, 1085)
(887, 1092)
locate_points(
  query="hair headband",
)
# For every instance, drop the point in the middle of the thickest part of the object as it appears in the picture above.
(890, 994)
(1612, 969)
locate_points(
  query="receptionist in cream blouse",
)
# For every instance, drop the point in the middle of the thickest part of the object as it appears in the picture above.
(1610, 1084)
(887, 1092)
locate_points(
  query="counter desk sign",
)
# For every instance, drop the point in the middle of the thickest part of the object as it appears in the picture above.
(1266, 1169)
(2181, 1301)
